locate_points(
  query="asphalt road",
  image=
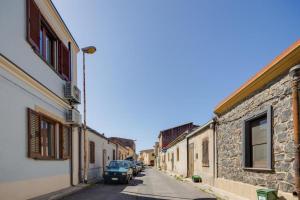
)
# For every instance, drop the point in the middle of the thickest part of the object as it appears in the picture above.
(148, 185)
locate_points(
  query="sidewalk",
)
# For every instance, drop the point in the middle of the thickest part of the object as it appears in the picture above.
(61, 193)
(218, 193)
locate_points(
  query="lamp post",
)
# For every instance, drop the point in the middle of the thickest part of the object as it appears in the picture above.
(89, 50)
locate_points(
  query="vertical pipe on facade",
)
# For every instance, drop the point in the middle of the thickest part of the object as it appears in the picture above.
(71, 156)
(295, 75)
(79, 155)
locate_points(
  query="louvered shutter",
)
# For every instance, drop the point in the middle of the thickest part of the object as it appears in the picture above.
(33, 24)
(34, 134)
(64, 61)
(205, 160)
(65, 143)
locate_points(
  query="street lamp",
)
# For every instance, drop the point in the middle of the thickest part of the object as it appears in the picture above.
(88, 50)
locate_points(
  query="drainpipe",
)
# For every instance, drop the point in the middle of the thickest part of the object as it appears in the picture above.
(213, 125)
(295, 75)
(80, 154)
(71, 156)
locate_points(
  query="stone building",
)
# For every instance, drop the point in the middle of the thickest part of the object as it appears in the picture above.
(255, 127)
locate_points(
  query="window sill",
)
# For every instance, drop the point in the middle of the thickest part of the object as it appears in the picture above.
(258, 169)
(52, 159)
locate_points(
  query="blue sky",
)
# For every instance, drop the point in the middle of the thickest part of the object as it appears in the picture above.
(161, 63)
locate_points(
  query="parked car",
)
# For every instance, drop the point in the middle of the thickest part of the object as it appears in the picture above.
(138, 165)
(134, 168)
(118, 171)
(141, 164)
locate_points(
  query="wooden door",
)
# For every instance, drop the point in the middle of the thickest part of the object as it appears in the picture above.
(172, 161)
(191, 160)
(104, 158)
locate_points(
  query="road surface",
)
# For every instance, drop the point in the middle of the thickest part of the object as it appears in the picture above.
(150, 184)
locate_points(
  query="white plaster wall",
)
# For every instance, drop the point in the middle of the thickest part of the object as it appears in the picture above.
(205, 172)
(15, 47)
(96, 169)
(180, 166)
(15, 166)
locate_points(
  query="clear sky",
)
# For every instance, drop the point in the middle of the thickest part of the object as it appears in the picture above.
(161, 63)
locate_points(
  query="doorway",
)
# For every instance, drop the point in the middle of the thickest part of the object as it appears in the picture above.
(190, 160)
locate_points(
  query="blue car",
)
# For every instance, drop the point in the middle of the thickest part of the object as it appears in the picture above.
(118, 171)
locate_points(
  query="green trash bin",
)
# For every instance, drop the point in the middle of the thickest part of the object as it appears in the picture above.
(266, 194)
(196, 179)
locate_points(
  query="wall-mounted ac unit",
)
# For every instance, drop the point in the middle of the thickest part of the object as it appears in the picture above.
(73, 116)
(72, 93)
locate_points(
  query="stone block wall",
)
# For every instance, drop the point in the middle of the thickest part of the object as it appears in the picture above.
(229, 138)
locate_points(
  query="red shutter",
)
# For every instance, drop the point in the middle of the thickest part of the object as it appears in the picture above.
(64, 61)
(33, 24)
(34, 134)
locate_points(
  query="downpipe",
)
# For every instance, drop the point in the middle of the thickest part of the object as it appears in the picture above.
(295, 75)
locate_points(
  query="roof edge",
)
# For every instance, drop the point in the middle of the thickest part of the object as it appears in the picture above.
(275, 68)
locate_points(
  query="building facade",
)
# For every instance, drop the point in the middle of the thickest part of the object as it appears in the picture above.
(100, 152)
(167, 136)
(201, 153)
(256, 131)
(176, 156)
(147, 156)
(127, 147)
(39, 150)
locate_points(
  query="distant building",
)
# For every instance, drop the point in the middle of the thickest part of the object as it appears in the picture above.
(147, 156)
(165, 137)
(128, 144)
(100, 151)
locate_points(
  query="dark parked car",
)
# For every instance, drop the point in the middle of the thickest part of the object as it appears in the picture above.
(118, 171)
(141, 164)
(134, 168)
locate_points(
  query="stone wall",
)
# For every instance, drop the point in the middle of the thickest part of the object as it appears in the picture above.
(229, 138)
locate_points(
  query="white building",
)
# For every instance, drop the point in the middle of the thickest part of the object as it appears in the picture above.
(100, 152)
(38, 57)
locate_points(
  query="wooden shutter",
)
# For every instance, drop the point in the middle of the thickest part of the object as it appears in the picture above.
(205, 153)
(33, 24)
(64, 61)
(34, 134)
(65, 142)
(92, 152)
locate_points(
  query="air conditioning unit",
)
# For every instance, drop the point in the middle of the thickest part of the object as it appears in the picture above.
(73, 116)
(72, 93)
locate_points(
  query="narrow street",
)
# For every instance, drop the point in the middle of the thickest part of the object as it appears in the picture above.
(149, 184)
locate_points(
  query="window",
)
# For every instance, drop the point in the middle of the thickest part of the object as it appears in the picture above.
(205, 153)
(177, 150)
(257, 141)
(114, 154)
(47, 138)
(45, 42)
(92, 152)
(42, 132)
(196, 155)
